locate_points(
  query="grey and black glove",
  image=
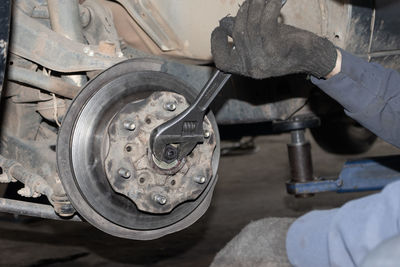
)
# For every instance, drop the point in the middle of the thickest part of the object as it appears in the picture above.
(264, 48)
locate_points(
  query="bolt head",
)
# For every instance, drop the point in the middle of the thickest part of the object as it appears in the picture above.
(160, 199)
(124, 173)
(170, 153)
(200, 179)
(207, 134)
(170, 106)
(91, 53)
(86, 49)
(339, 182)
(129, 125)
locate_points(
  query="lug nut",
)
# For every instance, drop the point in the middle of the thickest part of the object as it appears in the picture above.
(160, 199)
(124, 173)
(207, 134)
(200, 179)
(170, 106)
(129, 125)
(170, 153)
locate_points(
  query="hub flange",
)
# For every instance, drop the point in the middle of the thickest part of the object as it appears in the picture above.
(154, 186)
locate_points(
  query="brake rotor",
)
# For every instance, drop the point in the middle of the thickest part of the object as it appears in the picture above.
(104, 161)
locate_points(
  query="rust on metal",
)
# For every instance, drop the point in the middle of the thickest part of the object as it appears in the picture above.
(151, 181)
(34, 41)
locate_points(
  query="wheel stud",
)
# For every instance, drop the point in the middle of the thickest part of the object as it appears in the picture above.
(200, 179)
(170, 106)
(129, 125)
(160, 199)
(207, 134)
(124, 173)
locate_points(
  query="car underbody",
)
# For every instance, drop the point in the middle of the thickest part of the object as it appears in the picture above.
(86, 83)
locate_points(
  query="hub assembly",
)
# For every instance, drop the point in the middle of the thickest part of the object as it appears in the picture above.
(105, 163)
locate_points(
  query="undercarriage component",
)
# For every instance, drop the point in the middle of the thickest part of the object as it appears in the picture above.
(299, 149)
(39, 44)
(360, 175)
(34, 184)
(67, 24)
(47, 83)
(132, 170)
(25, 208)
(5, 15)
(104, 161)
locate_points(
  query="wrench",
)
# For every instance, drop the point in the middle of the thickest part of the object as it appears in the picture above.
(176, 138)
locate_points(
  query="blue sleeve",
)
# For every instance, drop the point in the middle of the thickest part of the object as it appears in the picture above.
(369, 93)
(344, 236)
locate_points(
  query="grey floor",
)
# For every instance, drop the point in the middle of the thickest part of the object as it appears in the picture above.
(250, 187)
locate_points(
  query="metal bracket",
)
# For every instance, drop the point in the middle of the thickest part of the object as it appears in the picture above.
(36, 42)
(356, 176)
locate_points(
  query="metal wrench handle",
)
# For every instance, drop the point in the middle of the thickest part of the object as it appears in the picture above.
(211, 89)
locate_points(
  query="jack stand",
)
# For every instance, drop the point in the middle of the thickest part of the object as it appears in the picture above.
(356, 175)
(299, 150)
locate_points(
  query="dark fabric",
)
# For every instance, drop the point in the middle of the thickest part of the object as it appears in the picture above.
(260, 243)
(264, 48)
(369, 93)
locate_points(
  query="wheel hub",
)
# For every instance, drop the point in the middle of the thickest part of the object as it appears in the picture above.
(132, 170)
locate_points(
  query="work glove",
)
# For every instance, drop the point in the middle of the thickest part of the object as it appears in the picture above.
(264, 48)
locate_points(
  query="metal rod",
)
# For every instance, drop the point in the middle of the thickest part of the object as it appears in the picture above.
(299, 151)
(298, 137)
(65, 19)
(47, 83)
(32, 209)
(35, 182)
(300, 162)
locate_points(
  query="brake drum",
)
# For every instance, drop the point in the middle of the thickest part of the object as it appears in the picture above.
(104, 159)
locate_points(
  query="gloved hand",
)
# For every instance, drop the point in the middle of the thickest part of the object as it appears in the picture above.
(264, 48)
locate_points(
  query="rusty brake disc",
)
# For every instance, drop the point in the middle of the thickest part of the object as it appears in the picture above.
(103, 159)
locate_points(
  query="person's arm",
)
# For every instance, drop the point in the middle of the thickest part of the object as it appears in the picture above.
(344, 236)
(368, 92)
(262, 48)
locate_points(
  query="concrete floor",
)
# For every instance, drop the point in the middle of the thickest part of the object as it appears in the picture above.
(250, 187)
